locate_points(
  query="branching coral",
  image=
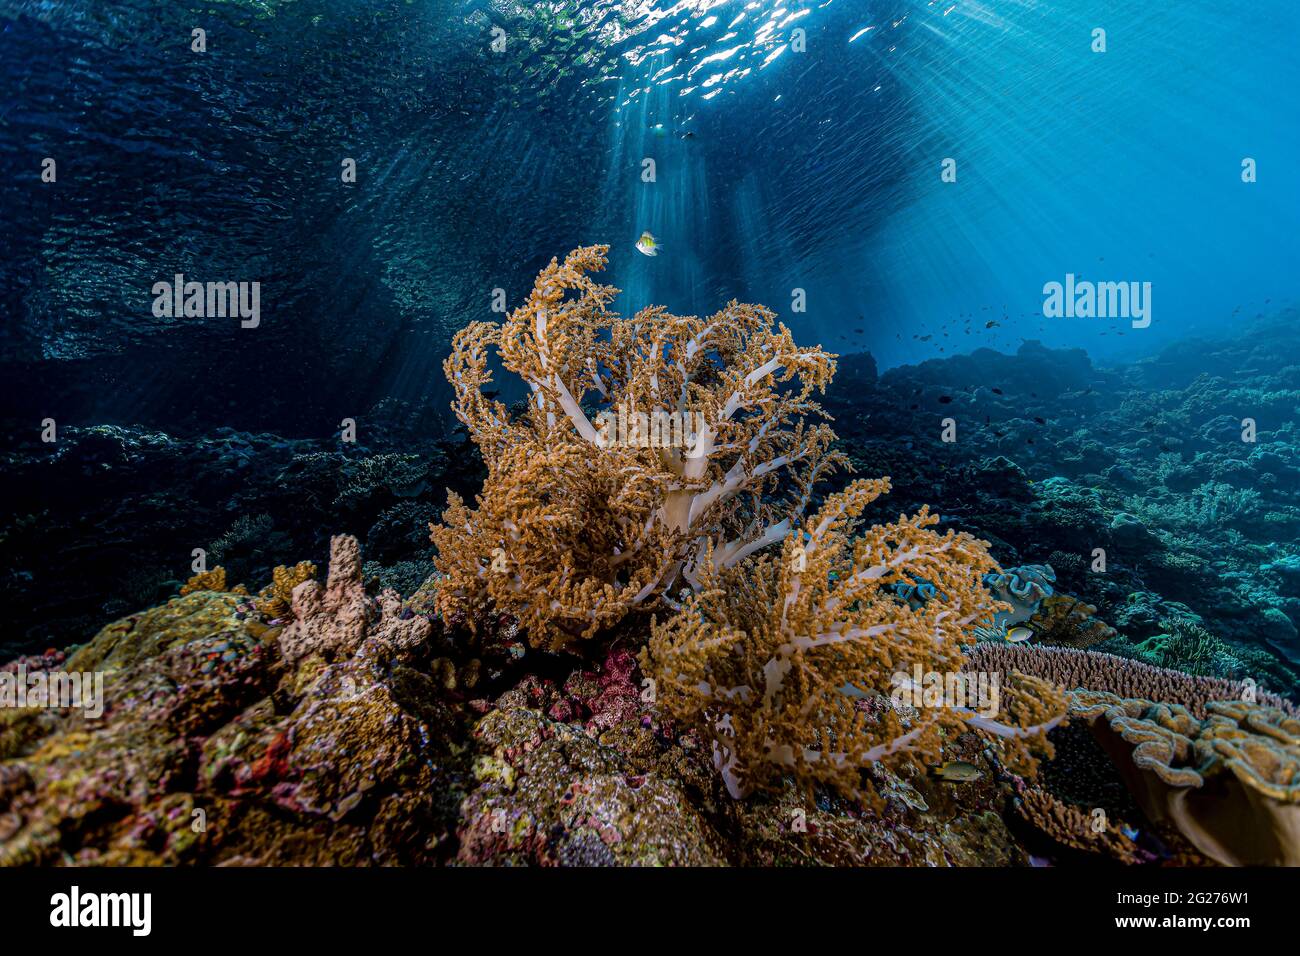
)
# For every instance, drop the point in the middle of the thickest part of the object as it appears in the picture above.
(1076, 827)
(786, 664)
(333, 621)
(1189, 647)
(647, 443)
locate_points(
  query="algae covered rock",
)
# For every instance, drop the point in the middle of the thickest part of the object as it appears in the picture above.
(551, 794)
(213, 749)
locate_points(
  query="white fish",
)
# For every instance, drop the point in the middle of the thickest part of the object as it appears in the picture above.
(1018, 635)
(647, 245)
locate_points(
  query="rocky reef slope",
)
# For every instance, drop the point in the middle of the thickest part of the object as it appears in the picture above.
(1184, 469)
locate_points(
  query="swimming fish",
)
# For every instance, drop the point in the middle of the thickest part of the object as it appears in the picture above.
(957, 771)
(647, 245)
(1018, 635)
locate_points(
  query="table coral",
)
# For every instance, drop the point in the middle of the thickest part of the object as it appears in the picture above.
(777, 662)
(1122, 676)
(646, 443)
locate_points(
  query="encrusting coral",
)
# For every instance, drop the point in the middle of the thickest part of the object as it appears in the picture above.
(647, 443)
(786, 664)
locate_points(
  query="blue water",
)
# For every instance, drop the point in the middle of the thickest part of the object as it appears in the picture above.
(799, 155)
(776, 170)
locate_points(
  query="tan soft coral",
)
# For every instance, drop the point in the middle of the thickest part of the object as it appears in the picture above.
(787, 663)
(647, 443)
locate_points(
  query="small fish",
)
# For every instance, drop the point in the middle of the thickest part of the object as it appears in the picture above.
(945, 399)
(1018, 635)
(1040, 420)
(647, 245)
(957, 771)
(1130, 832)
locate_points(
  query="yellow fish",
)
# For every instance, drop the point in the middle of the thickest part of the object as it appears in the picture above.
(647, 245)
(957, 771)
(1018, 635)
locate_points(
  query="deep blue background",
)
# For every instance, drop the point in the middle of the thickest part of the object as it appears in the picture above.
(776, 170)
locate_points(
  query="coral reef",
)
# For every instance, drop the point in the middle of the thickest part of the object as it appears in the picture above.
(1124, 677)
(775, 662)
(276, 600)
(213, 749)
(1075, 827)
(700, 442)
(680, 467)
(251, 500)
(1229, 782)
(1138, 484)
(1065, 621)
